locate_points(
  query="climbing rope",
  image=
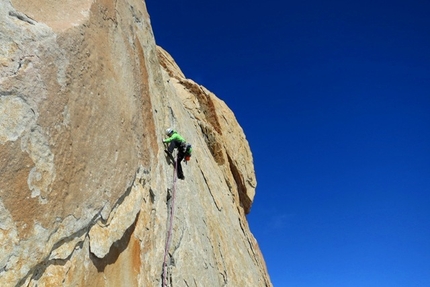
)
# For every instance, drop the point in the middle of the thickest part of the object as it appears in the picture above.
(169, 233)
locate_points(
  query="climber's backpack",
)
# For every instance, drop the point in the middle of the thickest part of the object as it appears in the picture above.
(188, 151)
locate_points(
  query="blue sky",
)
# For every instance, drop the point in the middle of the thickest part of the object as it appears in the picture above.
(334, 98)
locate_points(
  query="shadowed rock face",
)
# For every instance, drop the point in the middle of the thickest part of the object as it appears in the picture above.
(85, 97)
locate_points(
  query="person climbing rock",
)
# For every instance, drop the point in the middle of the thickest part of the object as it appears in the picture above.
(175, 140)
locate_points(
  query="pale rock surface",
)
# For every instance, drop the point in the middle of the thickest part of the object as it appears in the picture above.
(85, 97)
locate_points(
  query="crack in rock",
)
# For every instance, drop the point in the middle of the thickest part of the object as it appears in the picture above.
(104, 234)
(22, 17)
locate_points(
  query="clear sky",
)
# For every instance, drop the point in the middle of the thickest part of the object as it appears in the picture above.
(334, 98)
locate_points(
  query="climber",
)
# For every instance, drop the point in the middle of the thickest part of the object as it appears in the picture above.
(175, 140)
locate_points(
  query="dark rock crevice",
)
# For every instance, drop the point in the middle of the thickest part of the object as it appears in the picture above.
(245, 201)
(22, 17)
(115, 250)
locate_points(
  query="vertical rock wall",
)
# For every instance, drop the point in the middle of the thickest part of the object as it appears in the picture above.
(86, 190)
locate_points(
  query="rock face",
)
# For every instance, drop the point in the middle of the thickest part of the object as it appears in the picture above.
(87, 196)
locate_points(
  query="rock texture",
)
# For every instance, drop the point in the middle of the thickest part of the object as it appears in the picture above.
(86, 192)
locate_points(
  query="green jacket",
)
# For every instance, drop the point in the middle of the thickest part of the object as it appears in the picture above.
(175, 137)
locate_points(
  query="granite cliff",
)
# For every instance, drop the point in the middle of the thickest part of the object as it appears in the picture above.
(87, 196)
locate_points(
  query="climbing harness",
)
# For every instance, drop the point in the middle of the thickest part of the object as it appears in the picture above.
(169, 233)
